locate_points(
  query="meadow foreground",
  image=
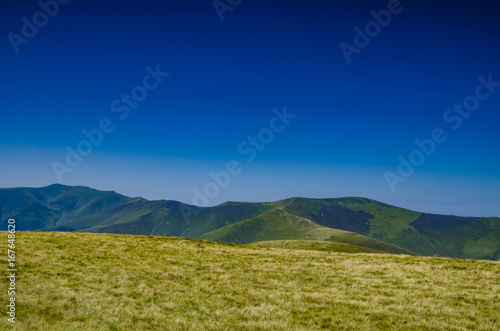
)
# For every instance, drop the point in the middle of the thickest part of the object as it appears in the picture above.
(81, 281)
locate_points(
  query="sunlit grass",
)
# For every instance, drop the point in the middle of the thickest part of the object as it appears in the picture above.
(74, 281)
(315, 245)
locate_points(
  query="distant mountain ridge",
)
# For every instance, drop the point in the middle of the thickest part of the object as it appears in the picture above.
(355, 221)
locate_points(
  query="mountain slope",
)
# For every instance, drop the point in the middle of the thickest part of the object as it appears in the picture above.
(462, 237)
(66, 208)
(280, 225)
(170, 218)
(425, 234)
(42, 208)
(368, 217)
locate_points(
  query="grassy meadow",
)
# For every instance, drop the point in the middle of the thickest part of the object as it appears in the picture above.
(83, 281)
(315, 245)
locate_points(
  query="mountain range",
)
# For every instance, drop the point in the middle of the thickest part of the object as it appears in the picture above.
(346, 224)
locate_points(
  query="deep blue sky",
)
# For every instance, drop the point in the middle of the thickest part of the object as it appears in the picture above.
(353, 120)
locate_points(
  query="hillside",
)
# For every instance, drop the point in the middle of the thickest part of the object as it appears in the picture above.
(357, 221)
(46, 207)
(425, 234)
(279, 225)
(367, 217)
(315, 245)
(82, 281)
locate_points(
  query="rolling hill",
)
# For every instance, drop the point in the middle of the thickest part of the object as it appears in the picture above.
(315, 245)
(278, 224)
(87, 281)
(356, 221)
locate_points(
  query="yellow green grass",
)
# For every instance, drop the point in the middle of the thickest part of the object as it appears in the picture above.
(81, 281)
(315, 245)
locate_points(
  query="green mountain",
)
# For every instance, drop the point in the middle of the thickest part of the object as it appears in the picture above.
(43, 208)
(424, 234)
(361, 222)
(278, 224)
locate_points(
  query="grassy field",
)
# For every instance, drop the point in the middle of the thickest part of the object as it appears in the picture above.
(80, 281)
(315, 245)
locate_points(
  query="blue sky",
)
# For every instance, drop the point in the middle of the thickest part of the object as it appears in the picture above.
(353, 120)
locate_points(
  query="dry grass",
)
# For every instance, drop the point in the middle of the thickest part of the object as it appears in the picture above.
(79, 281)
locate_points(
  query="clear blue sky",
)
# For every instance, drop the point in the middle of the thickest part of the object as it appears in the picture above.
(353, 120)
